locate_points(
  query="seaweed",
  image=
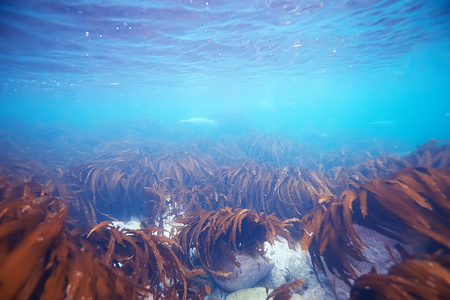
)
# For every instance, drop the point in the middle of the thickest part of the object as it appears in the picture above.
(426, 277)
(38, 259)
(288, 192)
(145, 257)
(327, 231)
(410, 204)
(434, 154)
(81, 209)
(155, 180)
(41, 258)
(113, 191)
(283, 292)
(274, 149)
(212, 234)
(183, 168)
(126, 182)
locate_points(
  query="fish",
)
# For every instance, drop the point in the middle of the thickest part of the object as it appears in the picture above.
(199, 121)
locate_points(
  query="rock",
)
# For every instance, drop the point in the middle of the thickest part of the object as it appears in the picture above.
(258, 293)
(217, 293)
(317, 292)
(134, 225)
(252, 269)
(291, 265)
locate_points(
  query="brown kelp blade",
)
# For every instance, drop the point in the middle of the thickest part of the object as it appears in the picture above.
(411, 203)
(283, 292)
(41, 258)
(425, 277)
(239, 230)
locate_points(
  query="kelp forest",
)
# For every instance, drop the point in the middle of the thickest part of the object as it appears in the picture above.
(222, 199)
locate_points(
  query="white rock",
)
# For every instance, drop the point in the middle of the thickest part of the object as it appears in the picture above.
(133, 225)
(291, 265)
(258, 293)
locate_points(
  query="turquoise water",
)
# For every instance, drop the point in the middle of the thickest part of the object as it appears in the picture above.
(334, 71)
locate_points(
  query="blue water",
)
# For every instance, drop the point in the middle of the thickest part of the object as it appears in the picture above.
(328, 70)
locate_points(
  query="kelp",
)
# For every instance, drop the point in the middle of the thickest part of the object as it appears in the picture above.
(41, 258)
(287, 192)
(222, 153)
(197, 197)
(281, 151)
(212, 234)
(274, 149)
(114, 180)
(114, 192)
(284, 291)
(248, 185)
(55, 181)
(117, 182)
(434, 154)
(145, 257)
(426, 277)
(342, 158)
(38, 260)
(164, 203)
(327, 232)
(154, 180)
(183, 168)
(297, 190)
(413, 203)
(30, 220)
(345, 178)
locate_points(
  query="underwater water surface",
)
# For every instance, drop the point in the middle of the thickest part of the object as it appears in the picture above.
(305, 69)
